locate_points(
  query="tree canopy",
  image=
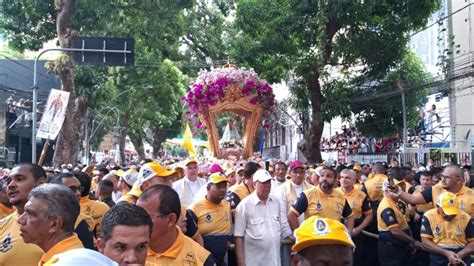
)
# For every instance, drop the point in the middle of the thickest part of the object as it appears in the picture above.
(323, 46)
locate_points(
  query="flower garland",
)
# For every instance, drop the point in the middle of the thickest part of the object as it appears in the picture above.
(210, 86)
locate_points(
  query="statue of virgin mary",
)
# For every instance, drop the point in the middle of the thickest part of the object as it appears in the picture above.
(231, 137)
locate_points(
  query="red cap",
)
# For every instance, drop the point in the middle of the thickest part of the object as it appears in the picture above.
(215, 168)
(296, 164)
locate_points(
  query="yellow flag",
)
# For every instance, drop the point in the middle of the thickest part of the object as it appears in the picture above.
(188, 142)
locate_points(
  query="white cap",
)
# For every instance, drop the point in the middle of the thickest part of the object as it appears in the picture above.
(80, 256)
(261, 176)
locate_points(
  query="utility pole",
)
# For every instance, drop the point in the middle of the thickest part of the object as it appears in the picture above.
(404, 112)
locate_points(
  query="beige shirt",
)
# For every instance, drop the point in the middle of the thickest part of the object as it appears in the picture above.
(260, 225)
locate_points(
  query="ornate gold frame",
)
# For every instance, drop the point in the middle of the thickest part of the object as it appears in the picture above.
(233, 102)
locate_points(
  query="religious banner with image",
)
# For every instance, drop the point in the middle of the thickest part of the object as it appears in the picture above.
(54, 114)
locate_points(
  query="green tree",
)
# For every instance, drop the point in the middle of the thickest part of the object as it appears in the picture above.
(314, 40)
(382, 116)
(28, 24)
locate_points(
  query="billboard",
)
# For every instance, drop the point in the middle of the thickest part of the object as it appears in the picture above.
(54, 114)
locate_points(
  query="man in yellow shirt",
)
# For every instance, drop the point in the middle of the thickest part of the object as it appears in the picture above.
(362, 210)
(213, 218)
(91, 208)
(448, 232)
(125, 234)
(395, 242)
(49, 218)
(168, 245)
(154, 174)
(452, 180)
(14, 251)
(323, 201)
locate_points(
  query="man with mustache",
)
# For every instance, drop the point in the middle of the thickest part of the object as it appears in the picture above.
(323, 201)
(13, 250)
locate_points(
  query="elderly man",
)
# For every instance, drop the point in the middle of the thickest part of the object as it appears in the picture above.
(21, 180)
(323, 201)
(189, 186)
(48, 220)
(168, 245)
(213, 218)
(258, 225)
(447, 232)
(361, 209)
(125, 234)
(452, 180)
(322, 241)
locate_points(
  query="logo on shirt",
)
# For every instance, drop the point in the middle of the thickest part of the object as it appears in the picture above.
(6, 244)
(437, 230)
(189, 259)
(353, 206)
(321, 227)
(208, 218)
(461, 204)
(319, 206)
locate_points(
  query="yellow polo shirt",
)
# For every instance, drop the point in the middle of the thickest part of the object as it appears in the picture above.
(453, 234)
(422, 208)
(184, 251)
(237, 193)
(214, 223)
(13, 251)
(315, 202)
(373, 187)
(5, 211)
(358, 201)
(94, 212)
(69, 243)
(391, 214)
(465, 197)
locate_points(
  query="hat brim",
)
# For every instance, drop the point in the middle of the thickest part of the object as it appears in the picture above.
(296, 167)
(314, 242)
(451, 210)
(166, 173)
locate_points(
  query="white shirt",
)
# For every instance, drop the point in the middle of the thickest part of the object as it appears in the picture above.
(281, 195)
(260, 226)
(116, 195)
(188, 189)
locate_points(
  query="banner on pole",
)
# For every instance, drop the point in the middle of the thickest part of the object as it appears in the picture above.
(53, 115)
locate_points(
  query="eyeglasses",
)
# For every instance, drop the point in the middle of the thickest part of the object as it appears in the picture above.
(75, 189)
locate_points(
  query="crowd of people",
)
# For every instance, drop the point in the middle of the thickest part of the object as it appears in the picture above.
(236, 212)
(353, 141)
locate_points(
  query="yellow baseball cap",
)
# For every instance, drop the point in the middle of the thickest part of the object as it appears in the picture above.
(188, 161)
(149, 170)
(449, 203)
(136, 191)
(118, 172)
(357, 168)
(321, 231)
(216, 178)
